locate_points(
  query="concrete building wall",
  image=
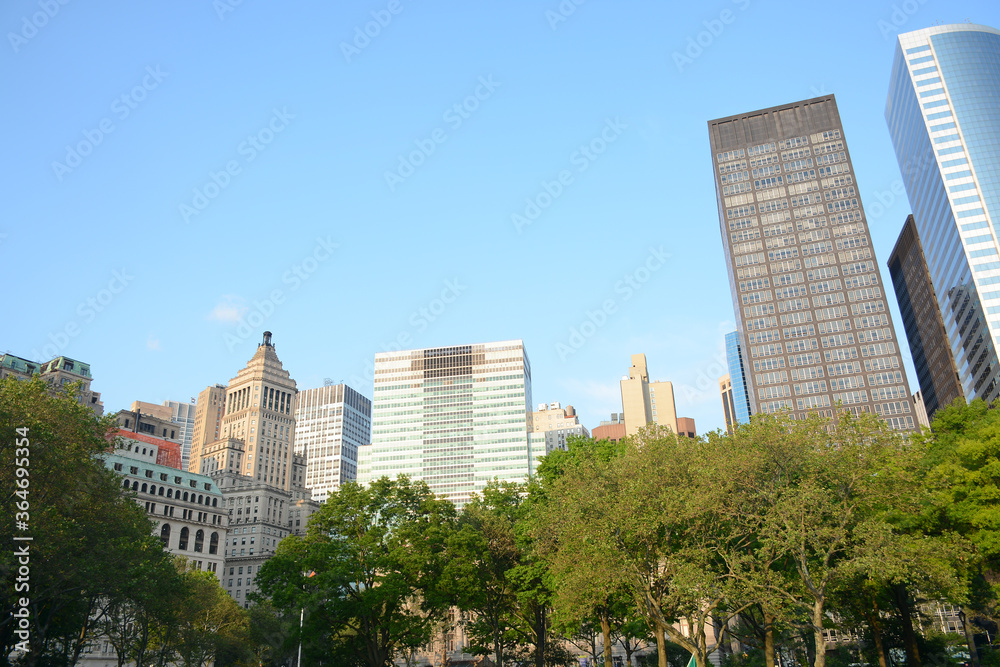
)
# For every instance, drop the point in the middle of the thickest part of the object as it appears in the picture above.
(807, 295)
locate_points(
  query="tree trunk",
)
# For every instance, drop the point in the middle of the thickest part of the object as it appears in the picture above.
(902, 600)
(661, 646)
(871, 616)
(768, 639)
(819, 641)
(540, 637)
(970, 638)
(606, 633)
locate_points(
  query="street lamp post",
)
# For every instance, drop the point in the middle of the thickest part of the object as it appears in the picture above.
(302, 613)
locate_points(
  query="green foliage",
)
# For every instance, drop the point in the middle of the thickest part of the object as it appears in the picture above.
(92, 546)
(377, 554)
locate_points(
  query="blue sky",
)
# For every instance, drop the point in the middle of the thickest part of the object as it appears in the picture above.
(182, 176)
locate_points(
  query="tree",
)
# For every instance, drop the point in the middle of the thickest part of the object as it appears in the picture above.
(587, 597)
(482, 552)
(377, 555)
(647, 521)
(91, 544)
(210, 623)
(962, 480)
(834, 487)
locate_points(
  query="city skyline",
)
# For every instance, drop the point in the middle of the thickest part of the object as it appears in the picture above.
(282, 140)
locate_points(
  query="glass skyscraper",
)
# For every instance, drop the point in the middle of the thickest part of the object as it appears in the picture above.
(454, 417)
(737, 376)
(943, 112)
(810, 307)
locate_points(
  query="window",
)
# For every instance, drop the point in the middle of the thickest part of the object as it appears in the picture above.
(182, 543)
(199, 540)
(165, 535)
(213, 544)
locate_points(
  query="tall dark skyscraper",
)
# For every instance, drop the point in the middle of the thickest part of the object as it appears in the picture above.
(811, 312)
(918, 305)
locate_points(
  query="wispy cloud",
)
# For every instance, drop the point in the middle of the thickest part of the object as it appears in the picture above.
(153, 343)
(230, 309)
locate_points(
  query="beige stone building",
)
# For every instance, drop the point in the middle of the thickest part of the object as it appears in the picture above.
(260, 411)
(645, 402)
(207, 422)
(252, 461)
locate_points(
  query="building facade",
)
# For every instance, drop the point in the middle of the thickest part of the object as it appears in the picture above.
(939, 381)
(57, 373)
(645, 402)
(207, 422)
(728, 404)
(738, 378)
(187, 510)
(809, 303)
(556, 423)
(454, 417)
(331, 424)
(943, 112)
(612, 429)
(252, 462)
(260, 411)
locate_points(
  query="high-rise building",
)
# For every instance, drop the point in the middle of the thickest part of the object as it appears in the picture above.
(738, 378)
(918, 306)
(806, 290)
(183, 415)
(260, 411)
(645, 402)
(207, 423)
(454, 417)
(253, 464)
(728, 404)
(331, 423)
(943, 112)
(556, 423)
